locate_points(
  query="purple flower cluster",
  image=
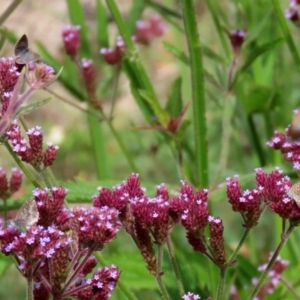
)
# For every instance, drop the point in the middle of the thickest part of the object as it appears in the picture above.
(271, 191)
(145, 32)
(31, 151)
(56, 252)
(8, 187)
(288, 144)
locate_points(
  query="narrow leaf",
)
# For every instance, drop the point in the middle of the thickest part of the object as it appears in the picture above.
(28, 108)
(102, 25)
(162, 116)
(174, 104)
(177, 53)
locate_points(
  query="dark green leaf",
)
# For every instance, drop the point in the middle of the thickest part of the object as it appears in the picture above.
(135, 85)
(174, 104)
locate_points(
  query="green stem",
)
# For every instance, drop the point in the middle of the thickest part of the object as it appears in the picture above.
(221, 283)
(197, 79)
(44, 177)
(284, 238)
(175, 266)
(121, 285)
(21, 165)
(158, 274)
(29, 289)
(4, 209)
(97, 140)
(287, 33)
(237, 249)
(129, 157)
(51, 176)
(229, 105)
(9, 10)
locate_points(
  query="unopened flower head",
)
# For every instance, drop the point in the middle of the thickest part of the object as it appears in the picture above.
(71, 38)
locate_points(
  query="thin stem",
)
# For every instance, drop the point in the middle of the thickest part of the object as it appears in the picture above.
(4, 209)
(175, 266)
(237, 249)
(50, 176)
(221, 283)
(284, 238)
(72, 103)
(198, 98)
(9, 10)
(79, 268)
(229, 104)
(120, 284)
(290, 288)
(44, 177)
(29, 289)
(158, 274)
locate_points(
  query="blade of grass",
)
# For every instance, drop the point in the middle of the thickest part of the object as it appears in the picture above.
(198, 98)
(287, 34)
(102, 25)
(135, 14)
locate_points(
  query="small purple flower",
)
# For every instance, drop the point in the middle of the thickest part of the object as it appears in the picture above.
(71, 38)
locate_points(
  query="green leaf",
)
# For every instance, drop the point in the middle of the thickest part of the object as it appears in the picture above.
(5, 262)
(259, 99)
(28, 108)
(135, 85)
(177, 53)
(102, 25)
(162, 116)
(181, 132)
(174, 104)
(259, 50)
(135, 14)
(164, 10)
(76, 15)
(211, 54)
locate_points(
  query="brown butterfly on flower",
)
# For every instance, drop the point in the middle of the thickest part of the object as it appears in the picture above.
(294, 192)
(26, 216)
(23, 54)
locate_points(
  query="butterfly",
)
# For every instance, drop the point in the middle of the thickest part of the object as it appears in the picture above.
(27, 215)
(23, 54)
(294, 192)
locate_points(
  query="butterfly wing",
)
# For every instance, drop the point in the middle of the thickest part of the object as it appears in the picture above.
(22, 53)
(27, 57)
(21, 45)
(28, 213)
